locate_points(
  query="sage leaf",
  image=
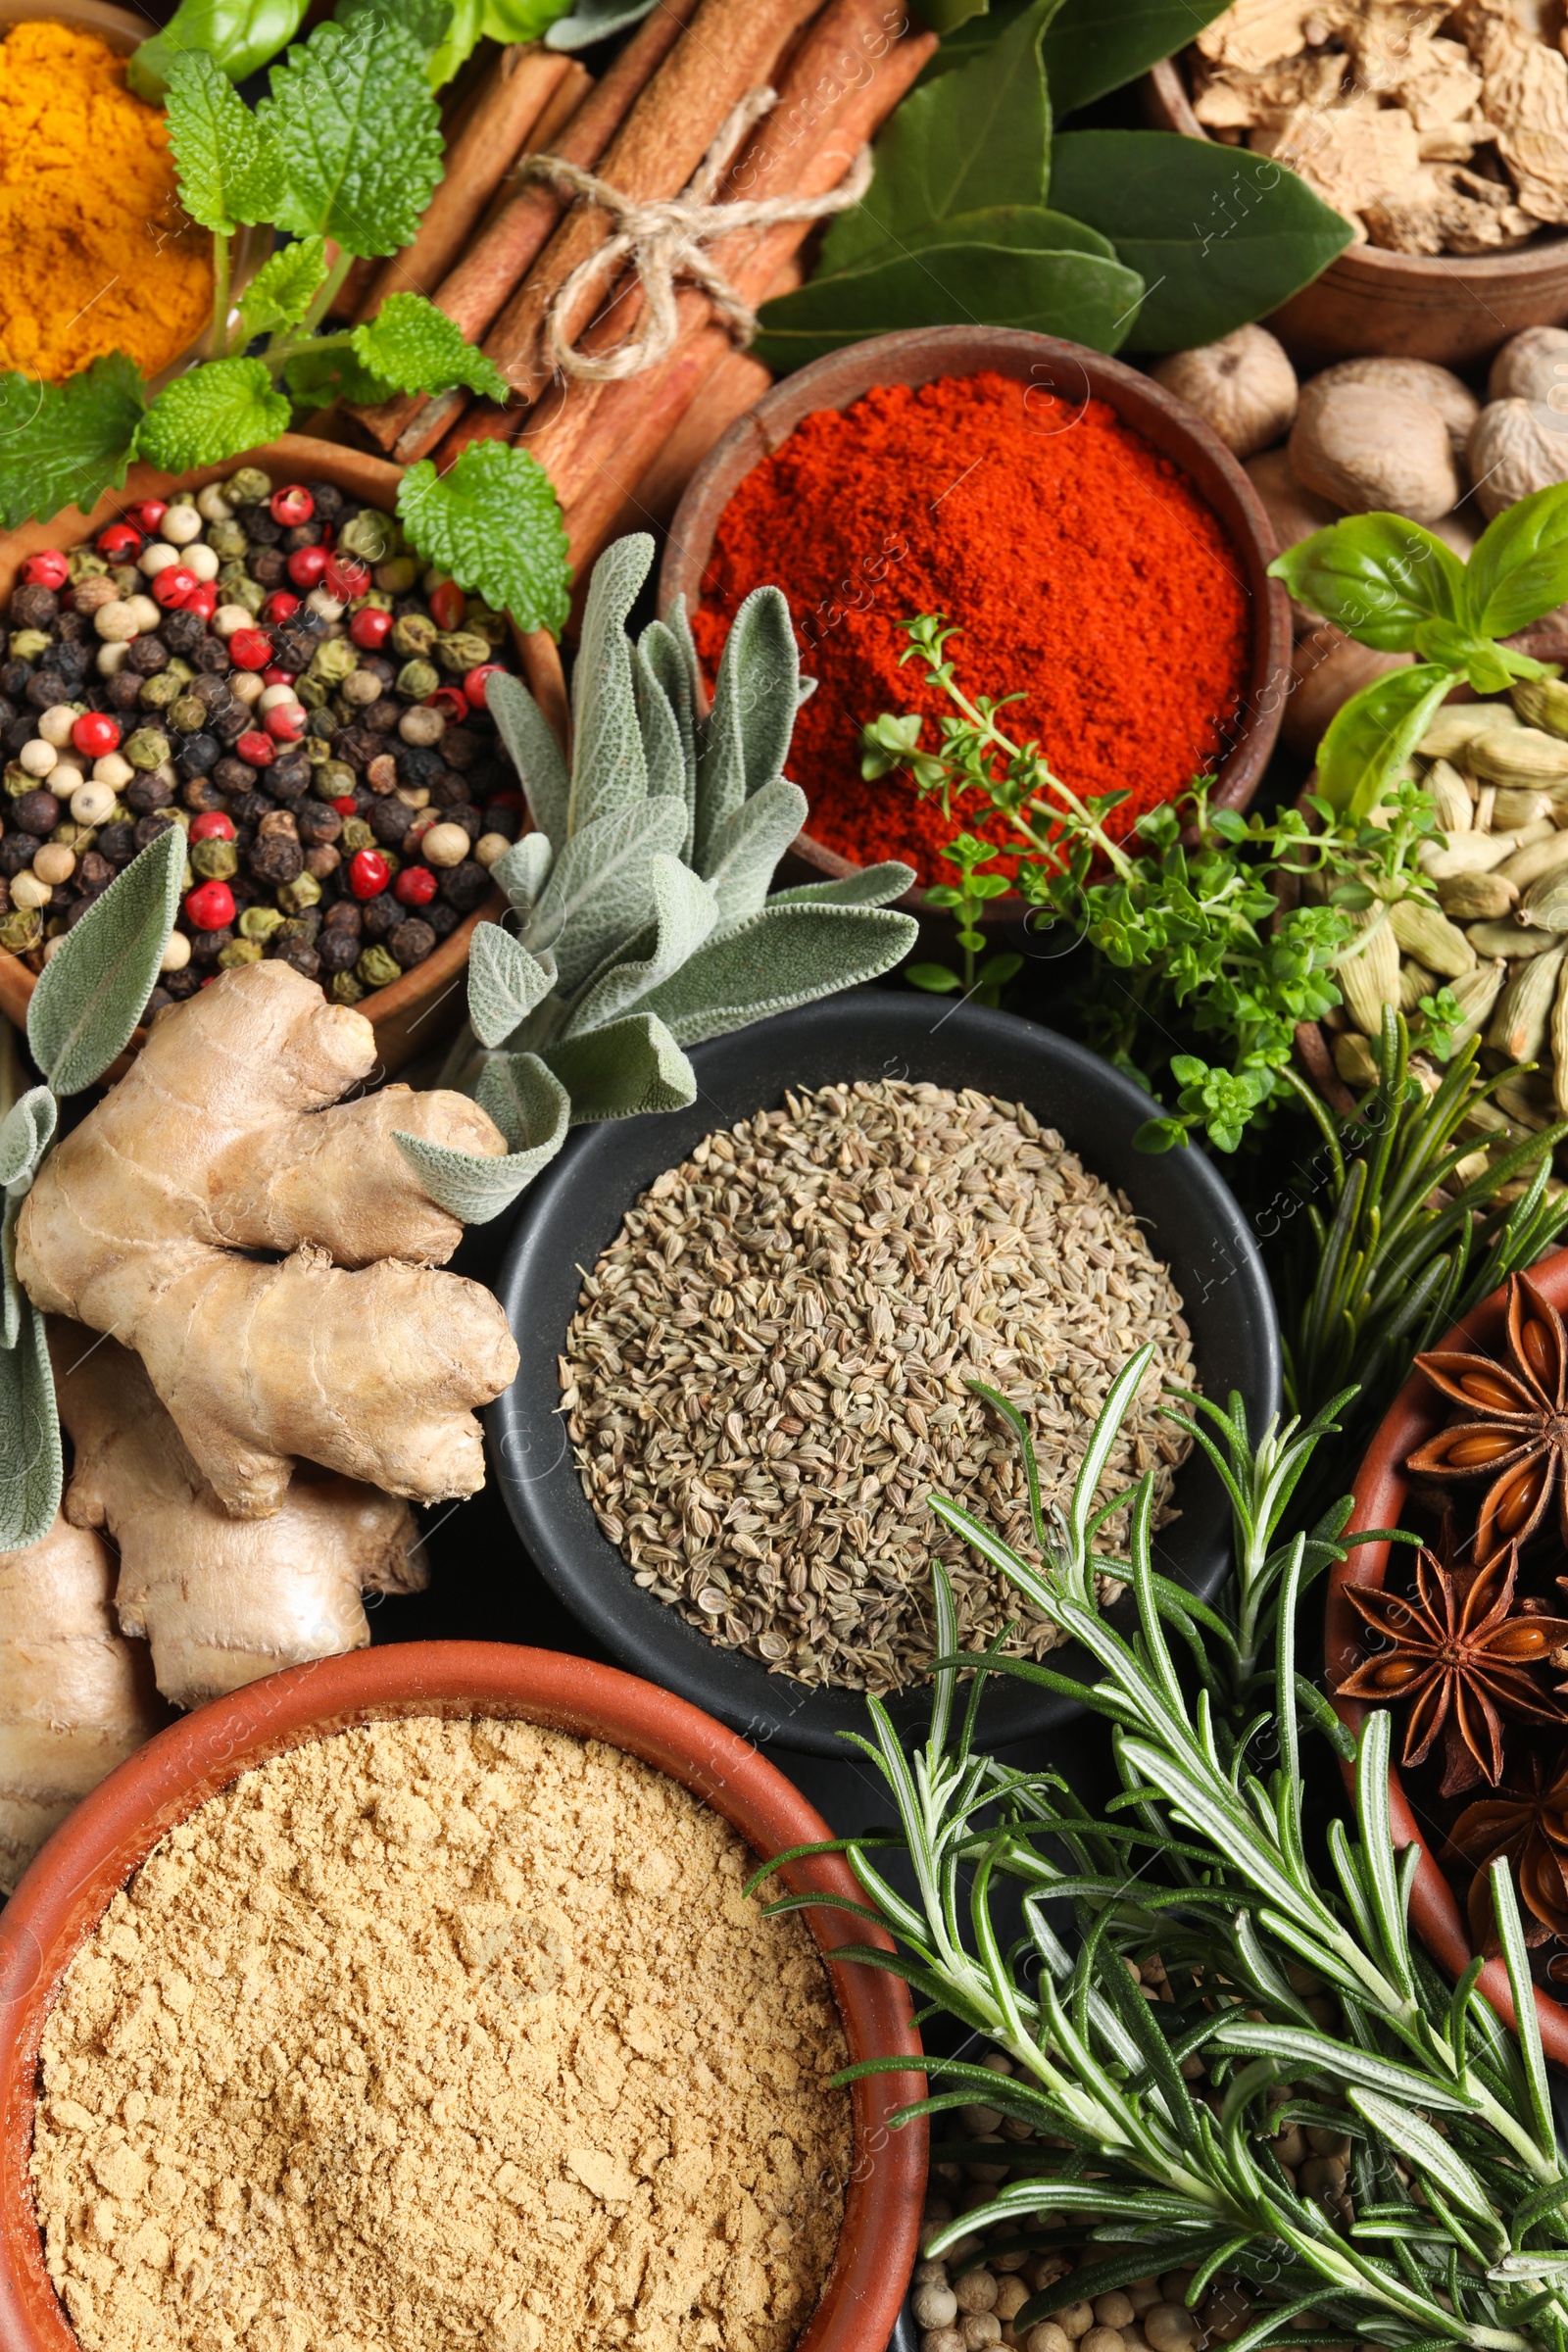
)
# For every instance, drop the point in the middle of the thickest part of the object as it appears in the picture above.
(64, 445)
(1077, 297)
(784, 956)
(228, 169)
(597, 894)
(1372, 736)
(608, 768)
(212, 414)
(747, 845)
(667, 652)
(1219, 236)
(593, 21)
(358, 131)
(872, 886)
(505, 984)
(94, 989)
(1518, 568)
(284, 288)
(622, 1071)
(745, 739)
(1377, 577)
(1091, 49)
(523, 871)
(25, 1133)
(30, 1463)
(413, 346)
(537, 757)
(685, 911)
(665, 746)
(530, 1107)
(239, 37)
(493, 520)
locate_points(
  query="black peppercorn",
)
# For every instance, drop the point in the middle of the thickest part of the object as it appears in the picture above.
(15, 855)
(288, 779)
(339, 949)
(212, 691)
(465, 886)
(197, 755)
(125, 690)
(344, 915)
(382, 718)
(418, 764)
(201, 796)
(275, 858)
(389, 820)
(449, 790)
(146, 654)
(318, 823)
(8, 713)
(13, 676)
(442, 918)
(463, 813)
(72, 628)
(45, 688)
(230, 721)
(158, 1002)
(210, 656)
(93, 870)
(381, 916)
(21, 730)
(269, 566)
(182, 984)
(356, 744)
(412, 941)
(247, 809)
(148, 827)
(36, 812)
(116, 841)
(182, 632)
(330, 500)
(301, 955)
(295, 646)
(72, 661)
(235, 776)
(258, 525)
(33, 607)
(301, 534)
(145, 793)
(205, 947)
(459, 748)
(505, 822)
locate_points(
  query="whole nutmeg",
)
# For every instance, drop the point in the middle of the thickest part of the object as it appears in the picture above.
(1370, 450)
(1415, 379)
(1517, 446)
(1532, 366)
(1243, 386)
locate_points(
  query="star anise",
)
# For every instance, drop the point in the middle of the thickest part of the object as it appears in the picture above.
(1518, 1435)
(1459, 1656)
(1529, 1827)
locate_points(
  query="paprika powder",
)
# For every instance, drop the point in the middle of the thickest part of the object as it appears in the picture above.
(1081, 566)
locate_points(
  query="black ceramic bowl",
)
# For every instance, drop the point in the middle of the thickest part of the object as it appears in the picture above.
(574, 1212)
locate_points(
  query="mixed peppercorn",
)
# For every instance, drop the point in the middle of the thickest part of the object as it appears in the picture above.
(270, 670)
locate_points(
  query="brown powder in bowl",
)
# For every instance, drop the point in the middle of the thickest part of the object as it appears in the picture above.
(443, 2032)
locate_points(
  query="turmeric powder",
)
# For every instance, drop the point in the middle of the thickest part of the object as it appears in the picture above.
(96, 254)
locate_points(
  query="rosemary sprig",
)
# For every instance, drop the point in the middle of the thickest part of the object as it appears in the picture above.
(1461, 2235)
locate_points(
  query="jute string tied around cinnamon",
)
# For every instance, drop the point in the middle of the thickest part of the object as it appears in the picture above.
(664, 241)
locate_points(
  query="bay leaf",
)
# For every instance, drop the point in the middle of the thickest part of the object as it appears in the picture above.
(1079, 296)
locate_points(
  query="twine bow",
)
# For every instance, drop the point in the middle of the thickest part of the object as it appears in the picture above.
(665, 241)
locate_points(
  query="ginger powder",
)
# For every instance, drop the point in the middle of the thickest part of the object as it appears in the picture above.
(443, 2032)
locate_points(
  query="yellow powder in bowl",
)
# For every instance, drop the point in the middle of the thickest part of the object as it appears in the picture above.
(96, 254)
(437, 2034)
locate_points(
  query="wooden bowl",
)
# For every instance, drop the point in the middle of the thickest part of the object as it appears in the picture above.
(66, 1891)
(427, 1004)
(919, 357)
(1417, 1413)
(1456, 309)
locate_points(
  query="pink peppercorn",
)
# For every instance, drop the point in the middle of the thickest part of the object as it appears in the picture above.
(368, 873)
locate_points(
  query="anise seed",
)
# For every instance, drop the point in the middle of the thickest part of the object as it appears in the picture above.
(1487, 1389)
(1518, 1499)
(1518, 1642)
(1534, 1344)
(1472, 1452)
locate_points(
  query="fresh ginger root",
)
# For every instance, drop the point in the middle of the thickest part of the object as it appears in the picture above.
(346, 1348)
(220, 1600)
(75, 1697)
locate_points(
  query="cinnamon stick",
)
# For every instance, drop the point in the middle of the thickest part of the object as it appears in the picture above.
(500, 257)
(569, 93)
(522, 80)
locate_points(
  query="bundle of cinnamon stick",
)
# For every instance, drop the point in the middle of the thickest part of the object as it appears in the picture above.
(495, 253)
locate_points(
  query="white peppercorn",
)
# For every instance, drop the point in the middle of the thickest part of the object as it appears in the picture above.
(324, 606)
(91, 803)
(115, 622)
(1170, 2327)
(273, 698)
(112, 770)
(29, 891)
(38, 756)
(1011, 2296)
(1102, 2339)
(110, 659)
(56, 724)
(930, 2273)
(147, 613)
(1141, 2293)
(1076, 2319)
(230, 617)
(210, 505)
(935, 2306)
(54, 863)
(489, 847)
(156, 557)
(447, 845)
(203, 562)
(246, 686)
(182, 521)
(425, 728)
(176, 954)
(1047, 2336)
(1114, 2310)
(942, 2339)
(979, 2123)
(977, 2290)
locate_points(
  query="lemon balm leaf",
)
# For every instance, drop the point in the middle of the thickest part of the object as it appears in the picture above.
(494, 521)
(357, 134)
(210, 413)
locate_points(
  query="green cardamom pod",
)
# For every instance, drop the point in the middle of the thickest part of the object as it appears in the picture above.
(1541, 703)
(1430, 937)
(1367, 971)
(1518, 1027)
(1475, 994)
(1544, 904)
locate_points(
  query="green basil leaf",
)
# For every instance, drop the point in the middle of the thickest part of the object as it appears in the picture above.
(1219, 236)
(358, 134)
(1091, 49)
(228, 169)
(493, 520)
(238, 36)
(63, 444)
(212, 413)
(30, 1463)
(1377, 577)
(413, 346)
(1519, 566)
(93, 990)
(975, 138)
(1370, 739)
(1077, 296)
(284, 288)
(315, 378)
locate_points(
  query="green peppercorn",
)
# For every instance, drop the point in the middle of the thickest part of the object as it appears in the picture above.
(236, 587)
(346, 990)
(187, 880)
(215, 861)
(418, 679)
(227, 541)
(371, 534)
(158, 691)
(356, 835)
(260, 922)
(86, 564)
(413, 635)
(147, 748)
(238, 952)
(189, 714)
(175, 668)
(463, 650)
(27, 645)
(249, 487)
(128, 580)
(304, 891)
(18, 780)
(397, 576)
(311, 693)
(333, 661)
(22, 929)
(306, 926)
(333, 780)
(317, 751)
(491, 626)
(72, 836)
(378, 968)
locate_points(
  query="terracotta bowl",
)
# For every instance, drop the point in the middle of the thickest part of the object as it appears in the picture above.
(69, 1886)
(1075, 373)
(427, 1004)
(1416, 1414)
(1453, 308)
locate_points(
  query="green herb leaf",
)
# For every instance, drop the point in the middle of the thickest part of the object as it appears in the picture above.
(413, 346)
(228, 169)
(1377, 577)
(784, 956)
(284, 288)
(684, 911)
(1370, 739)
(358, 133)
(493, 522)
(1219, 236)
(531, 1108)
(238, 36)
(871, 886)
(1518, 568)
(622, 1071)
(1075, 296)
(746, 848)
(593, 21)
(536, 756)
(25, 1134)
(946, 16)
(505, 984)
(64, 445)
(318, 375)
(1091, 49)
(428, 22)
(212, 413)
(30, 1463)
(93, 990)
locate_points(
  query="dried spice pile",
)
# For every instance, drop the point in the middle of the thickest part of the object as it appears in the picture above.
(443, 2032)
(767, 1372)
(1075, 561)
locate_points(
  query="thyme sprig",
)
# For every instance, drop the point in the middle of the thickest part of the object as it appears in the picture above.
(1460, 2193)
